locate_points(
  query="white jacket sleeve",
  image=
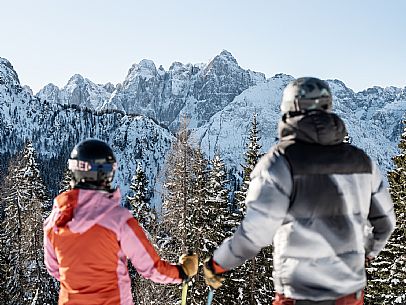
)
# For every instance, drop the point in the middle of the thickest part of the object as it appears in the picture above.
(267, 204)
(381, 215)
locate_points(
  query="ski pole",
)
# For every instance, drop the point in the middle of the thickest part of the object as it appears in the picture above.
(210, 296)
(185, 284)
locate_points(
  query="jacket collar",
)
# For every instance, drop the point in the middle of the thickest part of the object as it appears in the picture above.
(316, 127)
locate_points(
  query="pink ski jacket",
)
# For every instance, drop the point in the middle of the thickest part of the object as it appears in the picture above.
(87, 239)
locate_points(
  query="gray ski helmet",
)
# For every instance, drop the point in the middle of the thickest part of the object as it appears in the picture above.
(93, 164)
(306, 93)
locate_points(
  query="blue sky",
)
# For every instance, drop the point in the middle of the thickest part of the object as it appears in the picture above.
(361, 42)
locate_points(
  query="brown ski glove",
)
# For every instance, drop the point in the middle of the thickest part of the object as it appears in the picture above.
(211, 272)
(189, 264)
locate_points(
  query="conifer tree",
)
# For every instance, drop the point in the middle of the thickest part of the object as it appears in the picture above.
(65, 183)
(257, 272)
(251, 157)
(184, 204)
(222, 221)
(138, 202)
(178, 190)
(175, 222)
(24, 198)
(3, 240)
(199, 220)
(387, 273)
(218, 209)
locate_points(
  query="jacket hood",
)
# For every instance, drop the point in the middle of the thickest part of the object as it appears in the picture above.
(80, 209)
(317, 127)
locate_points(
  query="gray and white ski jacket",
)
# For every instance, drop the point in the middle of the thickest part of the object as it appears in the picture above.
(323, 206)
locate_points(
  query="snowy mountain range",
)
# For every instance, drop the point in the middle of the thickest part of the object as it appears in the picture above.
(373, 118)
(138, 117)
(55, 128)
(196, 90)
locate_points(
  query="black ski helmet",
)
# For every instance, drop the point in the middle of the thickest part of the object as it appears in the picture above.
(93, 164)
(306, 93)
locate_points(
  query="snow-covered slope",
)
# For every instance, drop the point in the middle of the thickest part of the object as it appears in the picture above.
(54, 129)
(227, 130)
(373, 121)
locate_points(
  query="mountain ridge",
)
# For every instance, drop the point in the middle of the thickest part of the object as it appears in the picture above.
(218, 97)
(54, 129)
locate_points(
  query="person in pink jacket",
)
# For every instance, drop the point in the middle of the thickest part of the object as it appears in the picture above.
(89, 236)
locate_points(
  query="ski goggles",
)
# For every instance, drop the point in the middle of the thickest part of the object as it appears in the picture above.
(86, 166)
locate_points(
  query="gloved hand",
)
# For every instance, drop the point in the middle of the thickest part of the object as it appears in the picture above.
(368, 261)
(189, 264)
(212, 278)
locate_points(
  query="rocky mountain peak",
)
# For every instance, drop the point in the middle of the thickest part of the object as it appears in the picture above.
(222, 63)
(337, 84)
(76, 79)
(50, 87)
(5, 63)
(176, 66)
(282, 77)
(78, 91)
(8, 75)
(340, 90)
(49, 93)
(145, 69)
(226, 56)
(109, 87)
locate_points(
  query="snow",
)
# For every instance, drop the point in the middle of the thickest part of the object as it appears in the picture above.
(219, 110)
(52, 128)
(180, 75)
(227, 130)
(35, 298)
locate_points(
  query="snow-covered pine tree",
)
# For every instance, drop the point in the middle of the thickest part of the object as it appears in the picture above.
(221, 223)
(251, 157)
(10, 227)
(2, 238)
(184, 203)
(176, 211)
(24, 197)
(138, 202)
(257, 273)
(198, 219)
(387, 273)
(176, 208)
(217, 223)
(65, 183)
(11, 289)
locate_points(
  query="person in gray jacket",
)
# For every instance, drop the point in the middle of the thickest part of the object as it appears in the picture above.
(320, 201)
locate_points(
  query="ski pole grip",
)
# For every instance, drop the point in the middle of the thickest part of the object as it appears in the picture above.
(189, 264)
